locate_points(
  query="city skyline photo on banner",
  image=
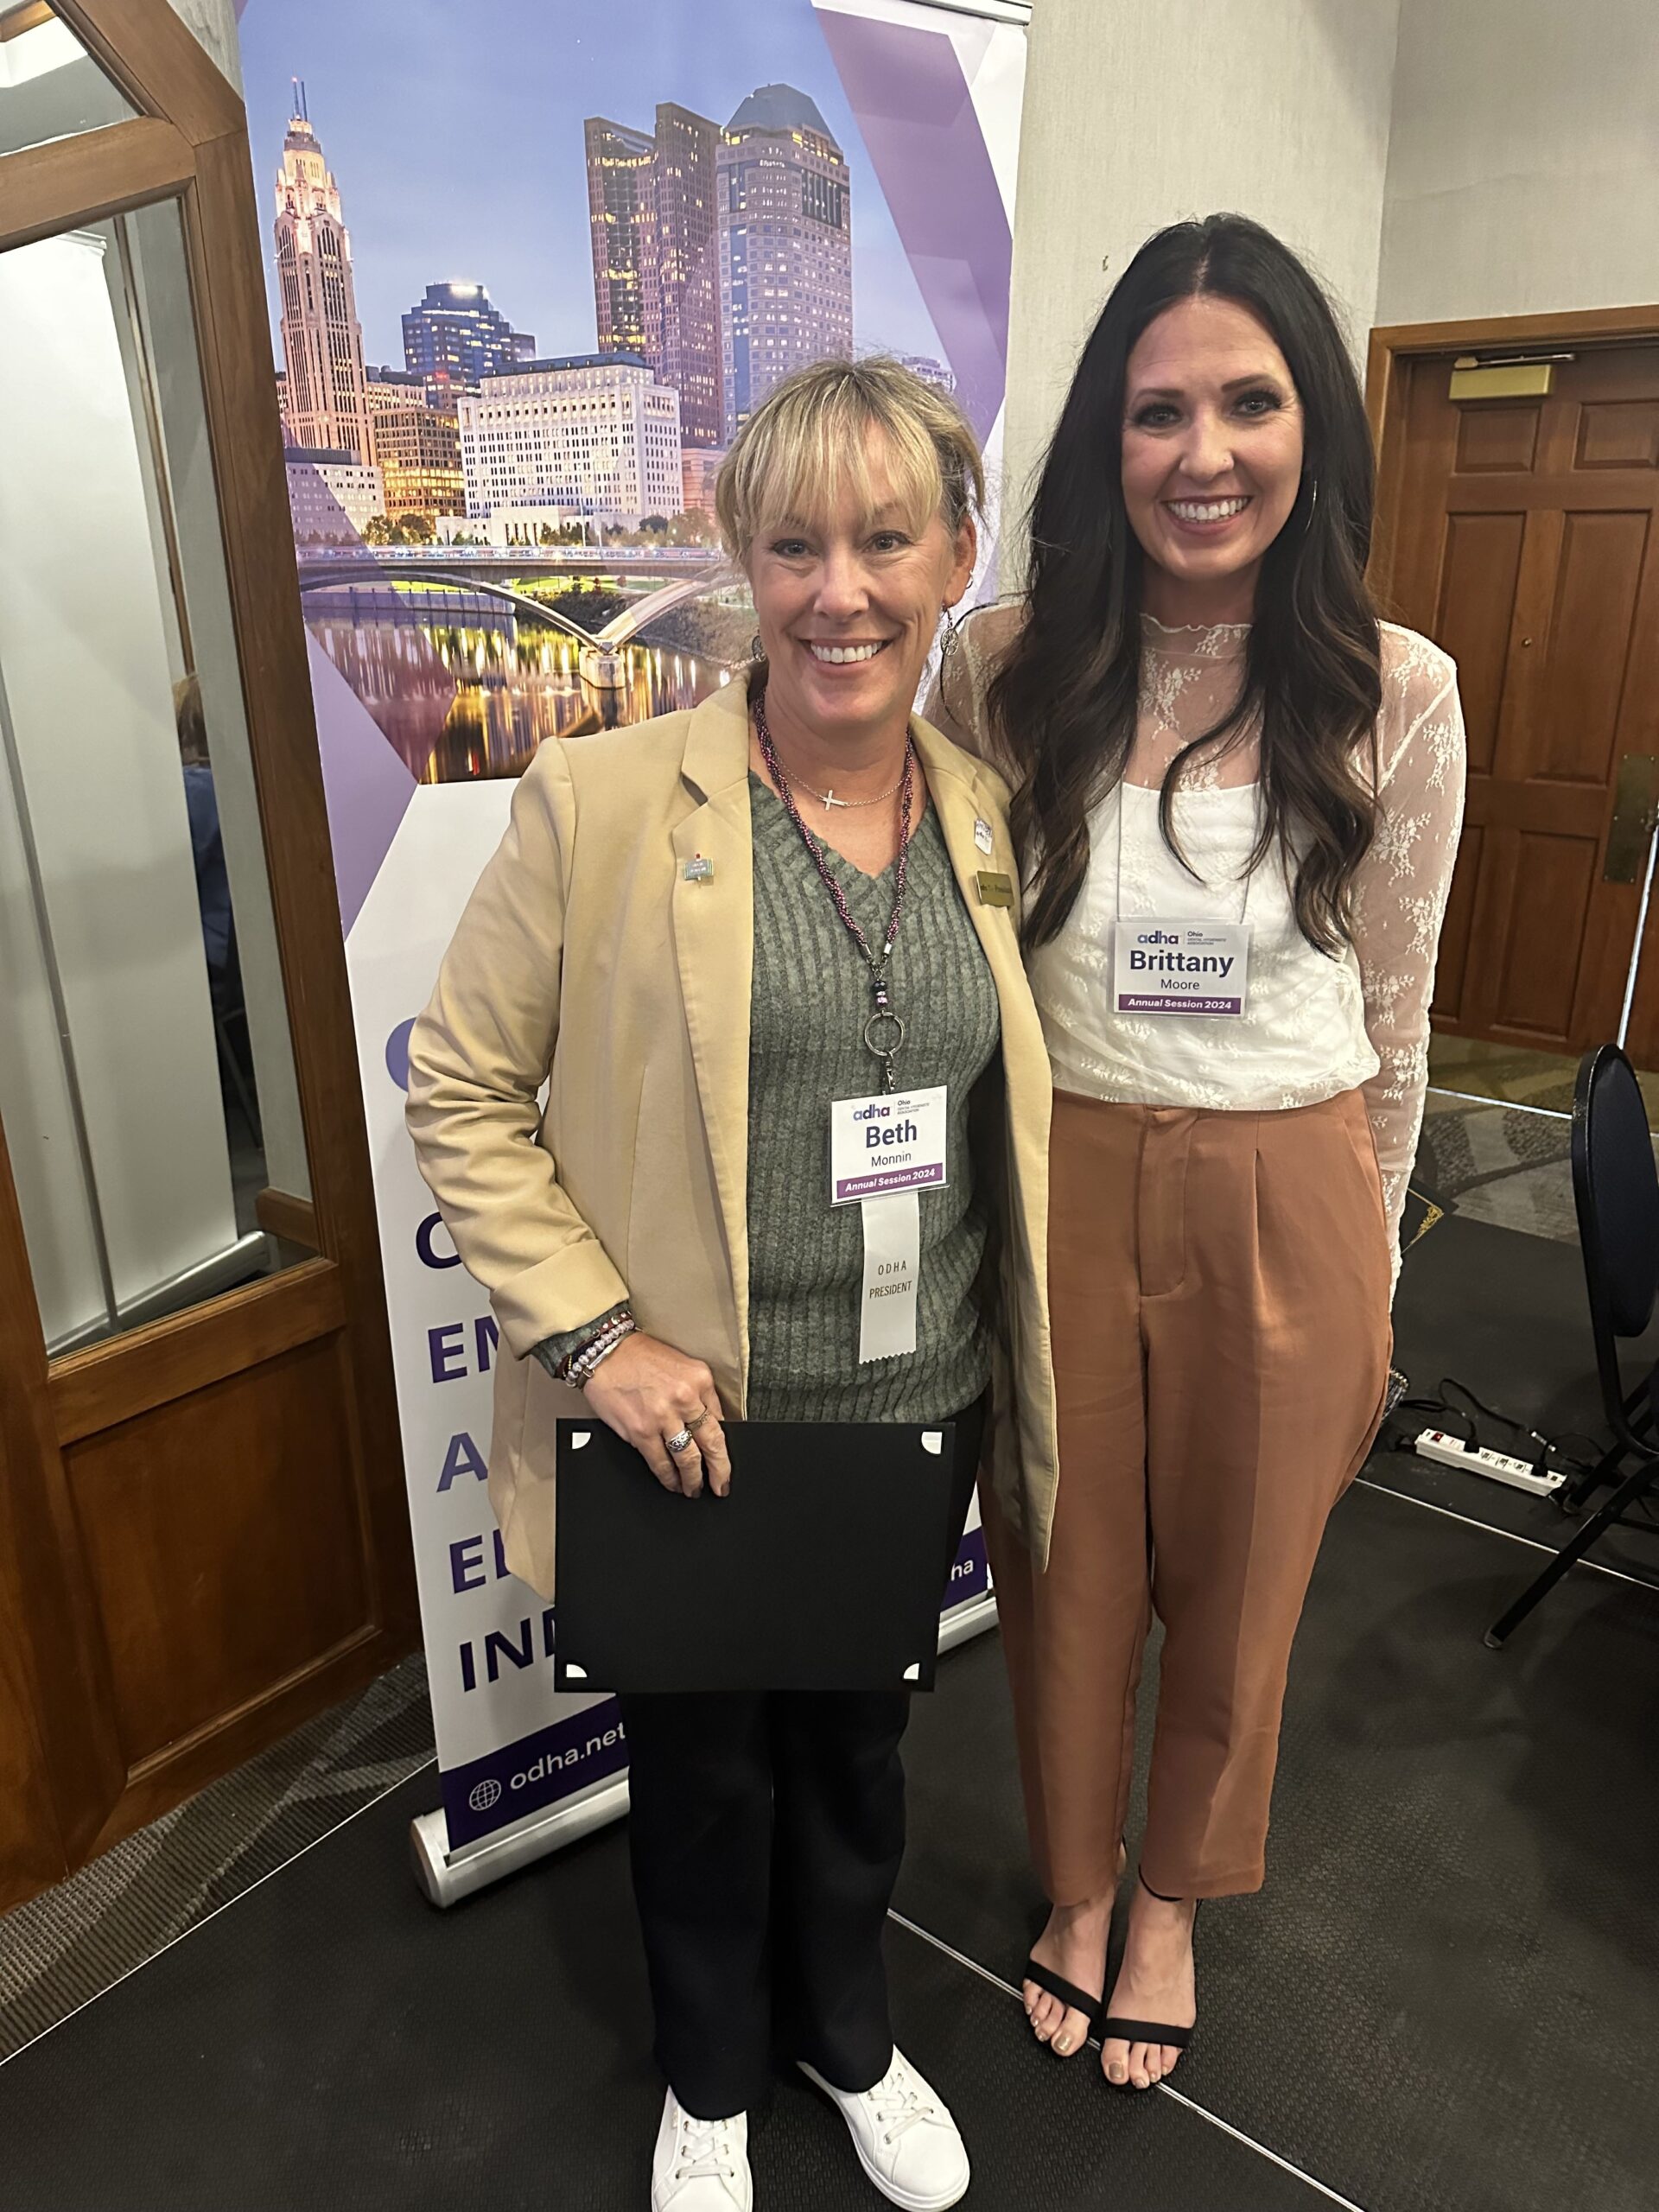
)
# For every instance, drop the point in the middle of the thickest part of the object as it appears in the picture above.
(457, 142)
(530, 269)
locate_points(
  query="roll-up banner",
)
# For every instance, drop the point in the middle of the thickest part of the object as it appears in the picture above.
(531, 267)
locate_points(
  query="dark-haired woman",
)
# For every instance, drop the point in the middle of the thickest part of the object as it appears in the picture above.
(1239, 796)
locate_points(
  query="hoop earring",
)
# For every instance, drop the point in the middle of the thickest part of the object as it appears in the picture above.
(1312, 501)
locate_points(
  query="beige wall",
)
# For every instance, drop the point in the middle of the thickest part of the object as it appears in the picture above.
(1524, 174)
(1139, 112)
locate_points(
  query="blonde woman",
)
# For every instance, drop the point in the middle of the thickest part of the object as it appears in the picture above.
(699, 933)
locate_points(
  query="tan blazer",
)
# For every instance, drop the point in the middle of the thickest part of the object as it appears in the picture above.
(588, 961)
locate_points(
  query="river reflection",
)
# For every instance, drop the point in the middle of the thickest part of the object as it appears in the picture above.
(469, 700)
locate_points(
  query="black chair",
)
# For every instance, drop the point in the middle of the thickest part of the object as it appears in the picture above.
(1616, 1187)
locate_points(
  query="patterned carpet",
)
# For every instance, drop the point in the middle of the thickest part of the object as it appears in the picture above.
(64, 1948)
(1505, 1164)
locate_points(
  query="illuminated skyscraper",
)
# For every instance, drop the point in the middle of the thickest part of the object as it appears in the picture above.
(619, 163)
(327, 405)
(456, 337)
(682, 290)
(784, 202)
(650, 203)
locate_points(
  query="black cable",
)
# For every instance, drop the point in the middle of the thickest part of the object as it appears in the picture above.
(1550, 1455)
(1453, 1419)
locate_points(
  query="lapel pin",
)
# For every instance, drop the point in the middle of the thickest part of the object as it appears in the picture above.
(982, 835)
(698, 870)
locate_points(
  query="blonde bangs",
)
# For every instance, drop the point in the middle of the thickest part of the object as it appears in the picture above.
(868, 428)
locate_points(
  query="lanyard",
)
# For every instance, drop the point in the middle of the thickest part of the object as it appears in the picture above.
(883, 1021)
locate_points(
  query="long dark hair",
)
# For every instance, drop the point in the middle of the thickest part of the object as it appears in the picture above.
(1064, 704)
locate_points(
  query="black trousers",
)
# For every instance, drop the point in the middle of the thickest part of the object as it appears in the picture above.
(765, 1832)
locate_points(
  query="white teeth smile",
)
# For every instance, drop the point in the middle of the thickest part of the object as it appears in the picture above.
(1206, 510)
(837, 656)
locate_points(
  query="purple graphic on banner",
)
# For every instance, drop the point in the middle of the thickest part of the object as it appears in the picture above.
(398, 1053)
(971, 1575)
(918, 122)
(504, 1784)
(366, 785)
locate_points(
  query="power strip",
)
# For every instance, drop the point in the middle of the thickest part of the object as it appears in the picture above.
(1453, 1452)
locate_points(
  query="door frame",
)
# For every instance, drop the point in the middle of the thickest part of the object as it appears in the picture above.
(188, 142)
(1393, 345)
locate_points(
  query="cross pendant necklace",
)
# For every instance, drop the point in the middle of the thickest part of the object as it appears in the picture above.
(827, 799)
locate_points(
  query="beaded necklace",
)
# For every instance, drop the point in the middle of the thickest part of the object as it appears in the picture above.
(884, 1023)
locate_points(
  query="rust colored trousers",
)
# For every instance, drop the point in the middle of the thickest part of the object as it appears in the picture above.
(1219, 1289)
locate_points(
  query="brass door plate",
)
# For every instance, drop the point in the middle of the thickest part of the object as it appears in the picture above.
(1635, 812)
(1505, 380)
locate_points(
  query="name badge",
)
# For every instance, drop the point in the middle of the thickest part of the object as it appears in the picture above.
(1163, 967)
(894, 1141)
(884, 1152)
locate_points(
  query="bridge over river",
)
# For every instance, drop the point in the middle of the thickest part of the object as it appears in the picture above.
(677, 580)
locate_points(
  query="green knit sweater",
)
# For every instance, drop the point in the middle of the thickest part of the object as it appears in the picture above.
(810, 999)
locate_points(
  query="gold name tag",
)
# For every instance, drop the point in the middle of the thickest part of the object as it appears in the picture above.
(994, 889)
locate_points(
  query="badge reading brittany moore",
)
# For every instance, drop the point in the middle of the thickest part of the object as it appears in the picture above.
(1161, 967)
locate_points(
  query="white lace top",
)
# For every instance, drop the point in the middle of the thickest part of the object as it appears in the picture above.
(1313, 1026)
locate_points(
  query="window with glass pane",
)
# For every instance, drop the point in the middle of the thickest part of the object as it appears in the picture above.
(147, 1085)
(50, 86)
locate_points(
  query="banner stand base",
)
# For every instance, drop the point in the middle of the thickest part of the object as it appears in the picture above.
(446, 1878)
(968, 1620)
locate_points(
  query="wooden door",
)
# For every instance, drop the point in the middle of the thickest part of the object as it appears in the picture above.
(203, 1533)
(1521, 535)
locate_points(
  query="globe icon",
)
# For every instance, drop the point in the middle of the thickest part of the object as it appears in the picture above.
(484, 1795)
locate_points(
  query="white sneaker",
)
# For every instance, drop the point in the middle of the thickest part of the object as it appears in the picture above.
(906, 2138)
(700, 2165)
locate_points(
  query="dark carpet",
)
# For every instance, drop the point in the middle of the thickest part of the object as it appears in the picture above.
(65, 1947)
(1505, 1314)
(1446, 1999)
(1446, 1995)
(331, 2042)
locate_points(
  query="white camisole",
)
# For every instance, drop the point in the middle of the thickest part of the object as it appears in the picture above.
(1314, 1025)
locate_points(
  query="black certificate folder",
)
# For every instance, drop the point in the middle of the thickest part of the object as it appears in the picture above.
(824, 1568)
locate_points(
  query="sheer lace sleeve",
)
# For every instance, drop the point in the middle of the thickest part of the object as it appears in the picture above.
(956, 700)
(1399, 892)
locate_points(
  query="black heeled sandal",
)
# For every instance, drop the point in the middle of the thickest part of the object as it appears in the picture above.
(1116, 2029)
(1078, 2000)
(1056, 1985)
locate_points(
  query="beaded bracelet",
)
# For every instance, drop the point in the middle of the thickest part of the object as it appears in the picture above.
(577, 1370)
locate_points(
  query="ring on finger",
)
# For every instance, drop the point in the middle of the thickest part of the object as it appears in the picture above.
(696, 1420)
(678, 1443)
